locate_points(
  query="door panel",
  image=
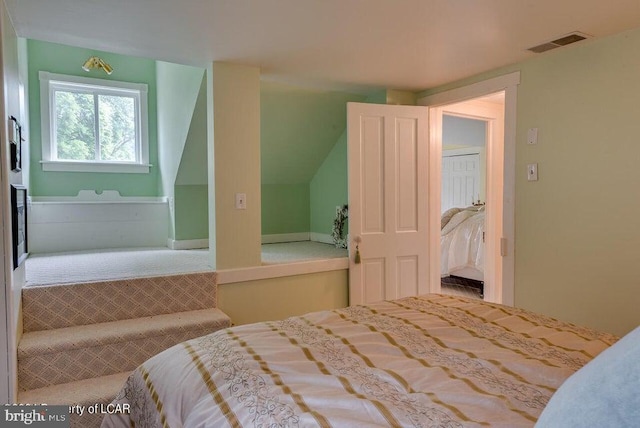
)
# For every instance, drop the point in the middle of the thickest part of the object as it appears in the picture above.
(407, 276)
(374, 277)
(372, 155)
(460, 180)
(406, 175)
(388, 188)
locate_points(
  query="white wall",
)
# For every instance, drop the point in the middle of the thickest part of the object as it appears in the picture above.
(13, 104)
(178, 87)
(90, 222)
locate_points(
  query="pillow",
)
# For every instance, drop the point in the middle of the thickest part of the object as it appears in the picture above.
(604, 393)
(456, 220)
(447, 216)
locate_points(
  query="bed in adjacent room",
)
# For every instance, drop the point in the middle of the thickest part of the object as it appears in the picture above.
(461, 243)
(423, 361)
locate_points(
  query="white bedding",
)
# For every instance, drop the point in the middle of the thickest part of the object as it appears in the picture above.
(428, 361)
(461, 242)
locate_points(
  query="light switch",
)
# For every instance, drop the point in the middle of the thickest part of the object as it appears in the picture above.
(532, 136)
(241, 201)
(532, 172)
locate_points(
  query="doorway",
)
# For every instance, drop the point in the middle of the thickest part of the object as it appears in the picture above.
(500, 179)
(471, 194)
(393, 198)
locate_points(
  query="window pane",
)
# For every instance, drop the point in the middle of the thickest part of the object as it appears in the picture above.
(117, 128)
(75, 129)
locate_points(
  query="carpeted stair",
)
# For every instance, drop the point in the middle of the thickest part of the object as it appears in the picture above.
(81, 341)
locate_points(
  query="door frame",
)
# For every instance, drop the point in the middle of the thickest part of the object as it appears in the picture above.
(493, 115)
(509, 84)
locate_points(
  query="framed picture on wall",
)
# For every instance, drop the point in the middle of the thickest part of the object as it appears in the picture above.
(19, 224)
(15, 144)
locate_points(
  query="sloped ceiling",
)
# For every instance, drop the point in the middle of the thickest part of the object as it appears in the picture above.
(299, 127)
(194, 163)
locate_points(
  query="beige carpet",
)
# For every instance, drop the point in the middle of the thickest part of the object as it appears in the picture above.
(100, 265)
(289, 252)
(96, 265)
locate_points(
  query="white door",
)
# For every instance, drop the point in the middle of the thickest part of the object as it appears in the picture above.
(388, 204)
(460, 181)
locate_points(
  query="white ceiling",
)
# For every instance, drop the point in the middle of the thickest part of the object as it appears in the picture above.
(346, 44)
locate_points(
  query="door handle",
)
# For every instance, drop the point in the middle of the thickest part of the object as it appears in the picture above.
(356, 258)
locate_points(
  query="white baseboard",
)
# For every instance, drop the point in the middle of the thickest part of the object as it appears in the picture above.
(285, 237)
(296, 237)
(187, 244)
(321, 237)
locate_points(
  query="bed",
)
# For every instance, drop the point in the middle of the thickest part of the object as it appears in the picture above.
(424, 361)
(461, 243)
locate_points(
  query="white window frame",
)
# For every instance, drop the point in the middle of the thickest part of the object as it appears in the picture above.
(49, 82)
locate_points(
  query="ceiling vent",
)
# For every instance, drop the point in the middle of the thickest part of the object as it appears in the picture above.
(562, 41)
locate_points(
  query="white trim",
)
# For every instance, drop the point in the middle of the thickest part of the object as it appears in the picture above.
(297, 237)
(321, 237)
(7, 374)
(462, 152)
(509, 196)
(139, 92)
(187, 244)
(102, 83)
(475, 90)
(91, 197)
(228, 276)
(435, 199)
(508, 83)
(95, 167)
(285, 237)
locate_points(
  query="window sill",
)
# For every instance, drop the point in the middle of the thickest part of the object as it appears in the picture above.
(66, 166)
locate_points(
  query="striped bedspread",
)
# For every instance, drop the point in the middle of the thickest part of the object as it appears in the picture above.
(424, 361)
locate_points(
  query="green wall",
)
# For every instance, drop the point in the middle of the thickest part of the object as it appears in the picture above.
(55, 58)
(330, 185)
(191, 212)
(285, 208)
(191, 221)
(299, 128)
(576, 228)
(329, 188)
(179, 87)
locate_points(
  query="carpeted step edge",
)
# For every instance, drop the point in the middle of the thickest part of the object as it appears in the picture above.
(59, 306)
(49, 368)
(85, 393)
(86, 336)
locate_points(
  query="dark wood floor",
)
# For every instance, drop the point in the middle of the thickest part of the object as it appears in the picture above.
(462, 287)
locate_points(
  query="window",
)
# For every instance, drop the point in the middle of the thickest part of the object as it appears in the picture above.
(93, 125)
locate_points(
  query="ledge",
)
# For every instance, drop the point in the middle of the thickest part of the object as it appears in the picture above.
(110, 167)
(228, 276)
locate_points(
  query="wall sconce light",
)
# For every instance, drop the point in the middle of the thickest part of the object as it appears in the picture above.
(95, 62)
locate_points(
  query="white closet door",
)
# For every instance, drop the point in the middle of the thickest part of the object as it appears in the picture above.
(460, 180)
